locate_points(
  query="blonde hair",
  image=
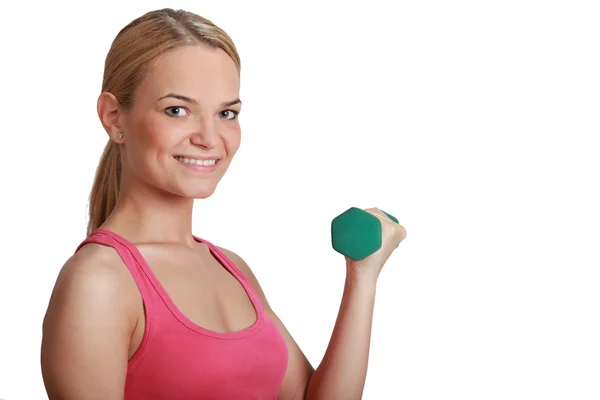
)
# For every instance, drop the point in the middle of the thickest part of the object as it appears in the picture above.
(130, 55)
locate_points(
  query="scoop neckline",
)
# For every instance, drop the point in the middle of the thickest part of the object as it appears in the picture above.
(225, 262)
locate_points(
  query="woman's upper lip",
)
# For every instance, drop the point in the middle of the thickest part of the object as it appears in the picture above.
(198, 157)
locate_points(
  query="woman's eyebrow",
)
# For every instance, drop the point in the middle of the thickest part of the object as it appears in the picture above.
(232, 102)
(194, 101)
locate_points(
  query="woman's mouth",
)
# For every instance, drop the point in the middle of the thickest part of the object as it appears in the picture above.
(208, 165)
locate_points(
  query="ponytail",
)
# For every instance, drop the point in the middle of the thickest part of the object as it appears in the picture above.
(105, 190)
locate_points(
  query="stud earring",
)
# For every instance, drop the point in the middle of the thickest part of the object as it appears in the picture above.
(119, 136)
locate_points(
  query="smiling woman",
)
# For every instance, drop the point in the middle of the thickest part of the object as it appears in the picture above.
(146, 310)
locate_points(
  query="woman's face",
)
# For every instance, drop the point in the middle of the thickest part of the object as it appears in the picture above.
(185, 107)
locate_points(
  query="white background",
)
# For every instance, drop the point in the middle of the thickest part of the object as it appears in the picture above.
(474, 123)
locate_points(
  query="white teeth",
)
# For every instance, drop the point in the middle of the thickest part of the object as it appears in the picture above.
(205, 163)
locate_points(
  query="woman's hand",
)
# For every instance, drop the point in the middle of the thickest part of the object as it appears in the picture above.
(391, 236)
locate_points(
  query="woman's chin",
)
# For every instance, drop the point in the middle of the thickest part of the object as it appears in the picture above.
(199, 193)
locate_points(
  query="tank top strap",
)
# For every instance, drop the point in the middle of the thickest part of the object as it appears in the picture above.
(236, 272)
(132, 259)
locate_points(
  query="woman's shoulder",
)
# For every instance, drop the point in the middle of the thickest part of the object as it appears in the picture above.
(96, 263)
(95, 275)
(88, 322)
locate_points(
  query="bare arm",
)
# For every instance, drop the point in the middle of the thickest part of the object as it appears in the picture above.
(343, 370)
(86, 330)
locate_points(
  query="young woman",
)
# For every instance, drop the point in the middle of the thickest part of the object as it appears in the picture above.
(146, 310)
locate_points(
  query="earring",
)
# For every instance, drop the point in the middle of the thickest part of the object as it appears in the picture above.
(119, 136)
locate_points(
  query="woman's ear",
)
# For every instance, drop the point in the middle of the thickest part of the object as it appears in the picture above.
(110, 114)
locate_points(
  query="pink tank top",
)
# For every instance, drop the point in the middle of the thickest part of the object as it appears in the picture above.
(178, 359)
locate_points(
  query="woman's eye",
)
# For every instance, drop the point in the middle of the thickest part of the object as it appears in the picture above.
(177, 113)
(229, 114)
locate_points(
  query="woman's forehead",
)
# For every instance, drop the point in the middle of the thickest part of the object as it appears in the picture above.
(193, 71)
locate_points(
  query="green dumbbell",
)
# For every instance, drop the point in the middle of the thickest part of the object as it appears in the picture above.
(356, 233)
